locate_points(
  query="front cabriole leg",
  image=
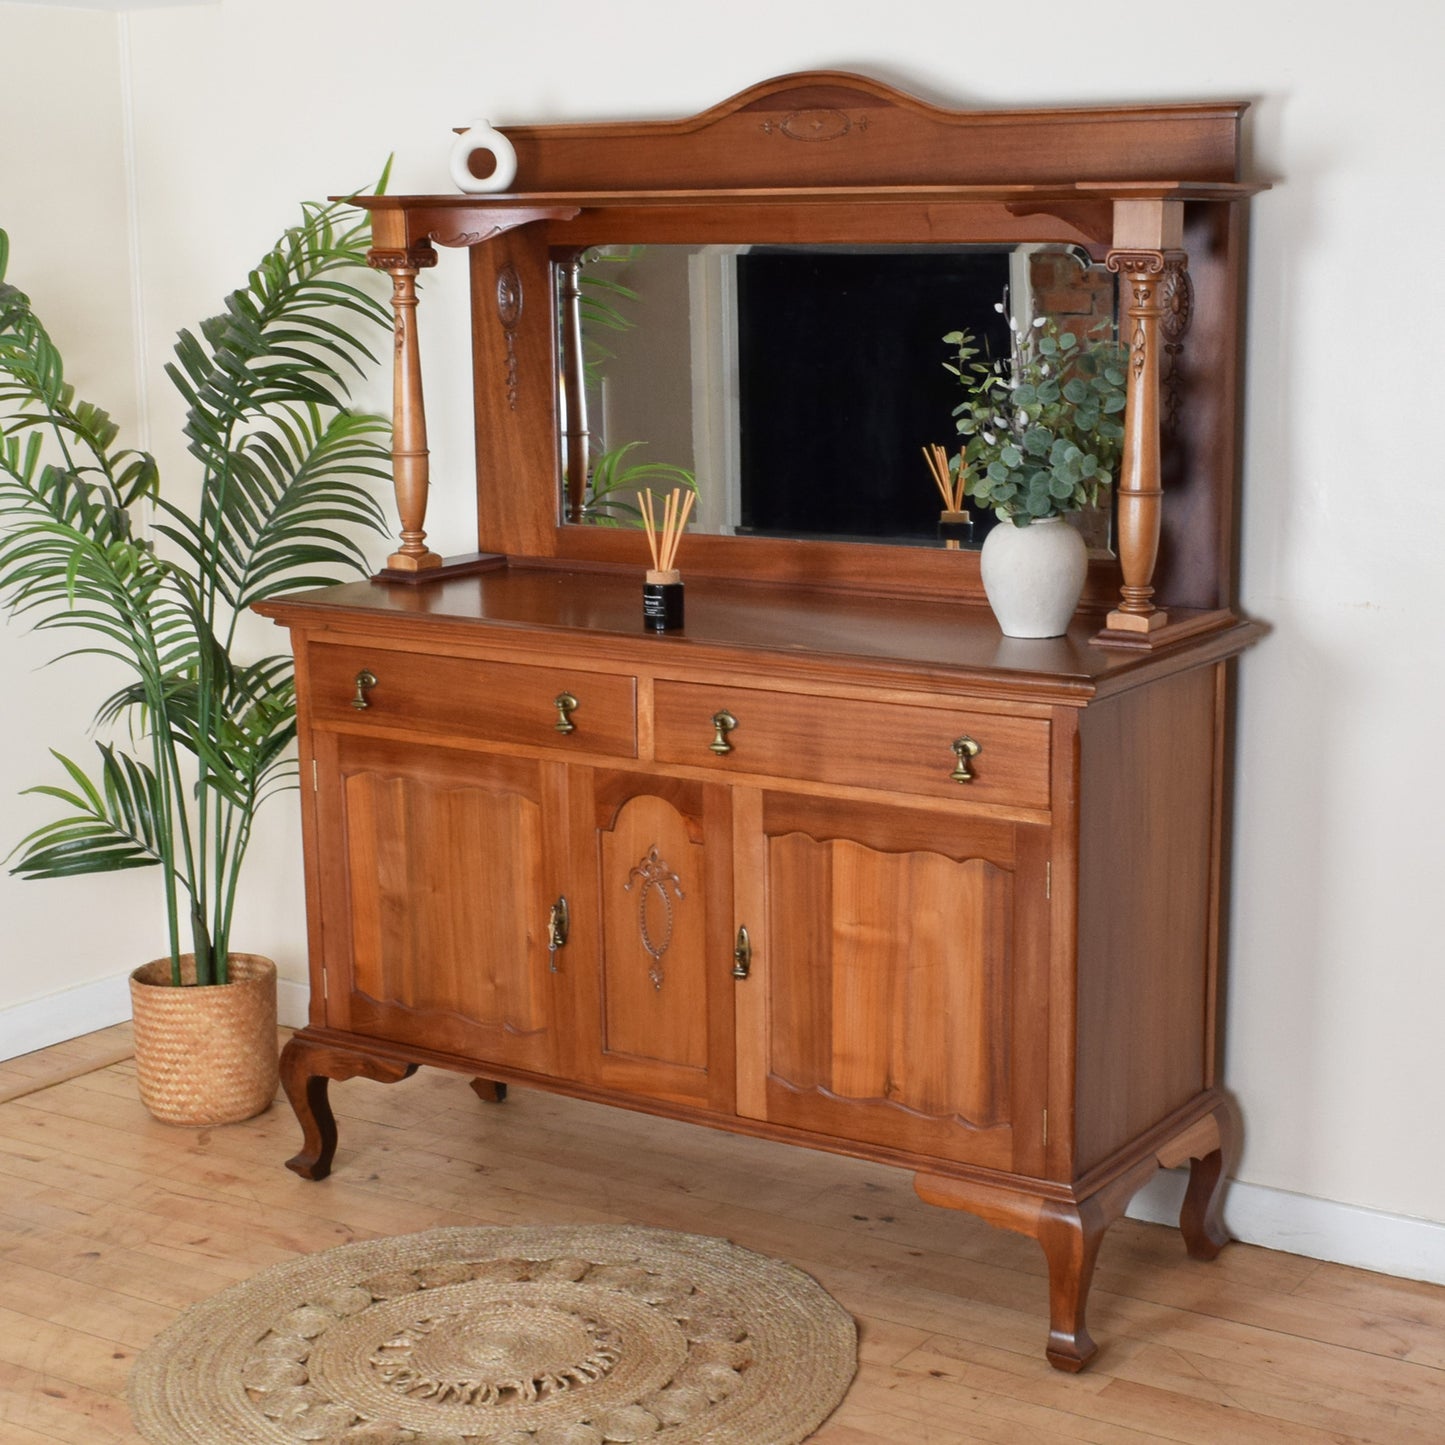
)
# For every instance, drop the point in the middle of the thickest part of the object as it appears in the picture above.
(1068, 1230)
(1070, 1235)
(307, 1068)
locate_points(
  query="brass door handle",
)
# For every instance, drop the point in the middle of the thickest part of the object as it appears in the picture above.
(743, 955)
(965, 750)
(365, 681)
(565, 704)
(724, 722)
(559, 925)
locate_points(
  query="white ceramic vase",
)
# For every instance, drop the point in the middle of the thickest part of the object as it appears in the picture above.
(1034, 576)
(481, 135)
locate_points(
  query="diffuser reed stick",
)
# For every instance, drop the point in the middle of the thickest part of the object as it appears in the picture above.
(952, 489)
(954, 522)
(663, 542)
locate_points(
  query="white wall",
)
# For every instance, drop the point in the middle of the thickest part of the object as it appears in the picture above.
(64, 202)
(1337, 983)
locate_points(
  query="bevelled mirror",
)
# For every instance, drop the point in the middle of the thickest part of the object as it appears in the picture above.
(796, 387)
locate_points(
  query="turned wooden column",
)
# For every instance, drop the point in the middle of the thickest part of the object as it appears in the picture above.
(1140, 495)
(574, 384)
(409, 458)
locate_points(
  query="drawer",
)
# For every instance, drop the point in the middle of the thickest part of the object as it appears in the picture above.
(893, 746)
(462, 698)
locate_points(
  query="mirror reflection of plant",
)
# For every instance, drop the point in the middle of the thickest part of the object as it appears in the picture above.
(616, 481)
(600, 301)
(284, 471)
(1044, 426)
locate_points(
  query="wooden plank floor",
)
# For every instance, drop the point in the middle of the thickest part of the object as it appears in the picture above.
(110, 1224)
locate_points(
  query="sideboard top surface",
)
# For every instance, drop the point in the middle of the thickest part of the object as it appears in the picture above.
(783, 628)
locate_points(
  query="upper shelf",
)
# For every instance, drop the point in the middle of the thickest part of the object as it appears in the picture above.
(1088, 206)
(1133, 190)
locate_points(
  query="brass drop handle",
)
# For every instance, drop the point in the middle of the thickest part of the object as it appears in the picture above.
(364, 682)
(743, 955)
(565, 704)
(965, 749)
(559, 924)
(724, 722)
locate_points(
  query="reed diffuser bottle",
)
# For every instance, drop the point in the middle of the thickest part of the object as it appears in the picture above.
(662, 609)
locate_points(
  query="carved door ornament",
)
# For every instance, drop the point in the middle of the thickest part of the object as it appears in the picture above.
(655, 877)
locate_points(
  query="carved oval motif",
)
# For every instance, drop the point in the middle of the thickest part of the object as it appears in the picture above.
(509, 296)
(1178, 301)
(655, 918)
(816, 125)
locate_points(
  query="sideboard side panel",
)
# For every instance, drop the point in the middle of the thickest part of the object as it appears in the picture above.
(1146, 903)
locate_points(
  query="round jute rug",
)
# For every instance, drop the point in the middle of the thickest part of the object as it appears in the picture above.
(540, 1336)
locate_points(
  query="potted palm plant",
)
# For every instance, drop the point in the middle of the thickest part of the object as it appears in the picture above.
(201, 733)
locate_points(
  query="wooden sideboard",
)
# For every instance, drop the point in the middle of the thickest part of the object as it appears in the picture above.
(836, 864)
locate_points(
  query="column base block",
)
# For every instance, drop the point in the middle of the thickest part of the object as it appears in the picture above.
(439, 568)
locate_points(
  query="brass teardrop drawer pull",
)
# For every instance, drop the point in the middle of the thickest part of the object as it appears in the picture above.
(723, 722)
(565, 704)
(743, 955)
(365, 681)
(559, 925)
(965, 749)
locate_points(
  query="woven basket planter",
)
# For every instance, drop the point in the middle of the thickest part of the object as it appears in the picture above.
(205, 1055)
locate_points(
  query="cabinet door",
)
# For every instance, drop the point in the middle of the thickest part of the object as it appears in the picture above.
(897, 994)
(436, 885)
(649, 960)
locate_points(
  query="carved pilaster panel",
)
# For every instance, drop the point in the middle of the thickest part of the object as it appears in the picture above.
(509, 313)
(1178, 303)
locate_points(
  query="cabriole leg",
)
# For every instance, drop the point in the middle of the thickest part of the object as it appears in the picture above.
(307, 1068)
(1070, 1236)
(1201, 1218)
(489, 1091)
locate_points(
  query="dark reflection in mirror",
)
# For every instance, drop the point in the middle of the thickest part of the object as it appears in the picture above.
(795, 386)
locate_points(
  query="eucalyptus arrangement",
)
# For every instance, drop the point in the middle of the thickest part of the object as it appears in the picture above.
(88, 541)
(1044, 426)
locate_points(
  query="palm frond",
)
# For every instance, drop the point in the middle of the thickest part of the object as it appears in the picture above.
(296, 496)
(112, 825)
(616, 480)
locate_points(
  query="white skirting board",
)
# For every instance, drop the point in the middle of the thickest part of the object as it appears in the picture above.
(25, 1027)
(1274, 1218)
(1316, 1228)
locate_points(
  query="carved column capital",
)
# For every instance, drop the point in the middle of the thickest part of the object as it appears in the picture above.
(413, 258)
(1141, 261)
